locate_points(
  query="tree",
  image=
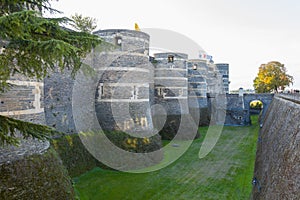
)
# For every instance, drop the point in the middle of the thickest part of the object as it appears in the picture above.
(32, 46)
(256, 104)
(84, 24)
(271, 77)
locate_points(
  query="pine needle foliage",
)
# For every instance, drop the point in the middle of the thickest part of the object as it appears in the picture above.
(9, 129)
(33, 45)
(83, 24)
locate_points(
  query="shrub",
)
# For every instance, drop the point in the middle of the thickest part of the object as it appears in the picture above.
(134, 144)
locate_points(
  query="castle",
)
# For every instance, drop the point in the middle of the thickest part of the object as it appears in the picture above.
(129, 77)
(137, 93)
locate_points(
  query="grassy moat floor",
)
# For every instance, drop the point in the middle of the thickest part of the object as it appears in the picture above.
(225, 173)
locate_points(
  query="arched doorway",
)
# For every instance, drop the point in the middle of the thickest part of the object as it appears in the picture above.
(255, 110)
(256, 106)
(266, 100)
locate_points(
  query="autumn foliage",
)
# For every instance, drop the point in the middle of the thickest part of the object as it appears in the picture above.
(272, 77)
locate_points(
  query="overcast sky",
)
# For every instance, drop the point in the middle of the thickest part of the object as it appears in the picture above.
(242, 33)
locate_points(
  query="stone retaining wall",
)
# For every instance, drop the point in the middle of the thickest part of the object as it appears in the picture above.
(277, 169)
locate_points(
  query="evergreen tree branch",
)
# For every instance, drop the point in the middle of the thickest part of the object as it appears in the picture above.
(37, 45)
(9, 128)
(32, 45)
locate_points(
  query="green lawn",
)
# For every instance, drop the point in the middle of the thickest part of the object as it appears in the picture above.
(225, 173)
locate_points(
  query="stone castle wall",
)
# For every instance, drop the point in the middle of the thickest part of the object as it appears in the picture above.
(235, 111)
(278, 152)
(266, 99)
(197, 90)
(51, 102)
(170, 80)
(171, 84)
(126, 40)
(127, 85)
(58, 101)
(125, 78)
(223, 69)
(24, 100)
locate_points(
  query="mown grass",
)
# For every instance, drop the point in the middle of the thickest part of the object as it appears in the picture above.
(225, 173)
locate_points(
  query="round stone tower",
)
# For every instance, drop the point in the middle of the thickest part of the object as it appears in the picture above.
(197, 71)
(109, 93)
(197, 90)
(122, 99)
(170, 83)
(124, 75)
(126, 40)
(24, 100)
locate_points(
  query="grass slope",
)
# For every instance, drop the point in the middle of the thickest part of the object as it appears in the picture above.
(226, 173)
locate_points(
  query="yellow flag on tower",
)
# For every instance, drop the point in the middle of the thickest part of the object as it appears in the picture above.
(136, 27)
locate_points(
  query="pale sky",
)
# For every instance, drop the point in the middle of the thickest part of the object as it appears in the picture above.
(244, 34)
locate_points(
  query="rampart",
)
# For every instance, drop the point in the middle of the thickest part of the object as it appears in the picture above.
(277, 166)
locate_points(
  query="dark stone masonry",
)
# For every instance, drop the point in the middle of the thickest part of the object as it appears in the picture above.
(277, 168)
(124, 90)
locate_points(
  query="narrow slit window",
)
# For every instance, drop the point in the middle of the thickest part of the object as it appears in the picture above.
(135, 92)
(101, 91)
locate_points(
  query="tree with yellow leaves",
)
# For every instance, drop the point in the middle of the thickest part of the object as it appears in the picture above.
(271, 77)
